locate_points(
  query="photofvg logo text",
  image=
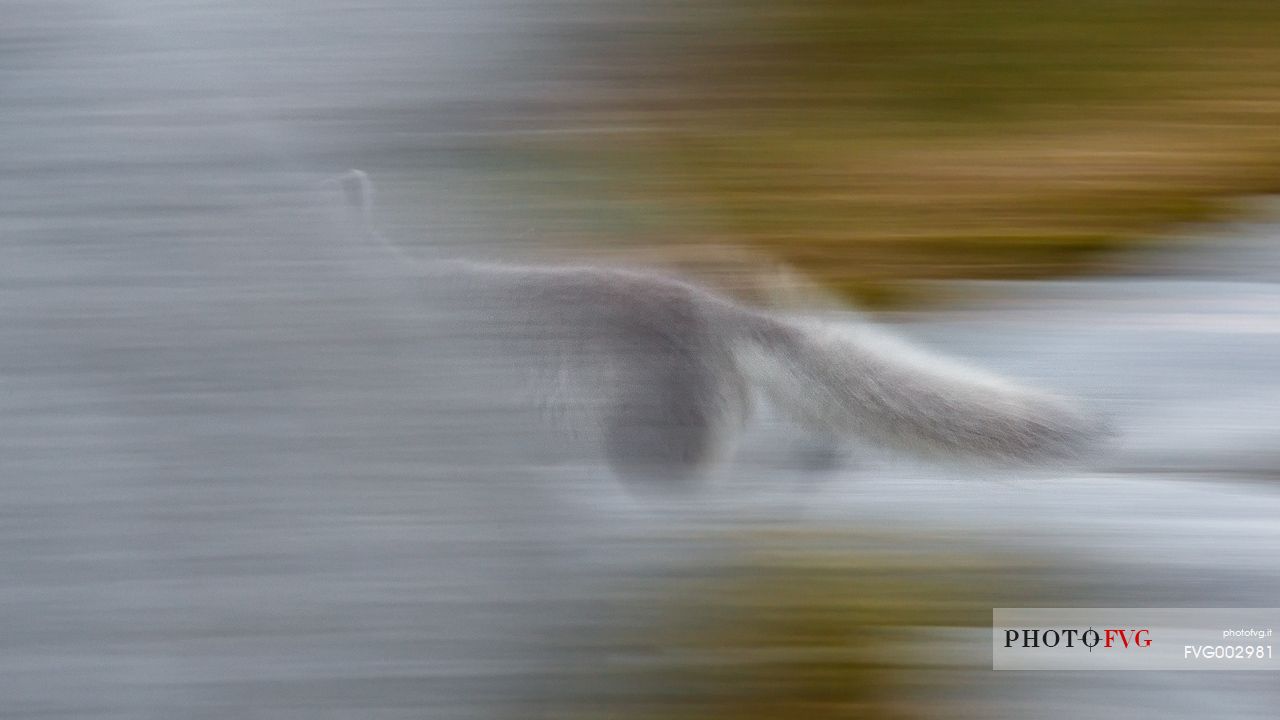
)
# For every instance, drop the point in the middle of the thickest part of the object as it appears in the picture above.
(1090, 639)
(1134, 639)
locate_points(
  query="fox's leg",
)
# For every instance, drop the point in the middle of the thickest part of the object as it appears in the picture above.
(673, 418)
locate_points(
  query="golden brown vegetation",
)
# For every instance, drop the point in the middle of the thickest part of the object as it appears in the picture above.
(868, 141)
(824, 626)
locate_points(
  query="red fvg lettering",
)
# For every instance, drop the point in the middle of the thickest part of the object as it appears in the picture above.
(1139, 638)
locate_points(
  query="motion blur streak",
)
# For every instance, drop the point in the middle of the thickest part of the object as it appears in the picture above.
(242, 474)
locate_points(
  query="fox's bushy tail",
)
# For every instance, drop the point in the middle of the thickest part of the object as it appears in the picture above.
(854, 380)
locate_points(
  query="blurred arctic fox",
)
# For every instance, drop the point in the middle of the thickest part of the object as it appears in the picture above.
(666, 372)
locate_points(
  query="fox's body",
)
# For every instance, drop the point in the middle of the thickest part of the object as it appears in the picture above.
(668, 372)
